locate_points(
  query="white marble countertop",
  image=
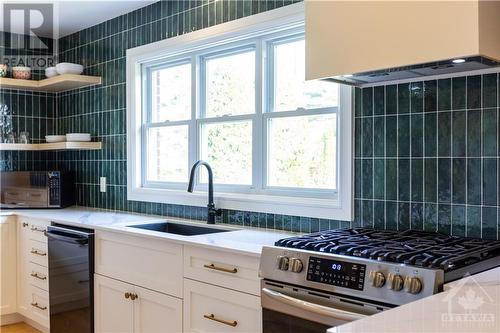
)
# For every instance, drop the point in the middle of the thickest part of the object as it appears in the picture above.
(469, 305)
(245, 241)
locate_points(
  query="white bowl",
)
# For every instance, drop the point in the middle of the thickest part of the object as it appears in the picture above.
(78, 137)
(55, 138)
(69, 68)
(50, 72)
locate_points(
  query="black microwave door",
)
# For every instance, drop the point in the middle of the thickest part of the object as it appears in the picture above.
(277, 322)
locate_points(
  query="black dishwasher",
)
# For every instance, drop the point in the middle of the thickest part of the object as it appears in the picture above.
(71, 279)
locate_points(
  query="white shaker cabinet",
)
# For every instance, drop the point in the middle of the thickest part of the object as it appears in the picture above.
(123, 307)
(8, 257)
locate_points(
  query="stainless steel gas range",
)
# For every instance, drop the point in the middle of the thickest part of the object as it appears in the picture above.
(325, 279)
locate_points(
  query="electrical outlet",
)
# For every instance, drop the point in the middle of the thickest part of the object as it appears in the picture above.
(102, 184)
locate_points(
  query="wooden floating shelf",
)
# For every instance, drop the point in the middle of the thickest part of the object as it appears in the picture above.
(52, 146)
(54, 84)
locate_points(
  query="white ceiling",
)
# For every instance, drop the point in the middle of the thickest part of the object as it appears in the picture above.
(72, 16)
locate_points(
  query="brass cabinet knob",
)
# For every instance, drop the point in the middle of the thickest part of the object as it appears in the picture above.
(133, 297)
(127, 295)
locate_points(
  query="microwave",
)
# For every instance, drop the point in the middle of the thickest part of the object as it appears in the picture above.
(36, 189)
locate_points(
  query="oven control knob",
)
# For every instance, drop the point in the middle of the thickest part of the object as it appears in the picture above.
(283, 263)
(377, 278)
(413, 285)
(395, 282)
(296, 265)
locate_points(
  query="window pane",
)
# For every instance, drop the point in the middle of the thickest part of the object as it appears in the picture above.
(291, 89)
(302, 152)
(171, 93)
(230, 84)
(228, 148)
(167, 154)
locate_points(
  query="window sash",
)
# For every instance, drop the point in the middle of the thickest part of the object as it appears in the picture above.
(264, 111)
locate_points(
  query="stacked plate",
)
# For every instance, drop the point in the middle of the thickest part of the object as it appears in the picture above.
(70, 137)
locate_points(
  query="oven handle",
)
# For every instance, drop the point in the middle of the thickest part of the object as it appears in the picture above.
(312, 307)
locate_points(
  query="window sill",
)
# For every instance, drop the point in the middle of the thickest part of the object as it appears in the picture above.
(310, 207)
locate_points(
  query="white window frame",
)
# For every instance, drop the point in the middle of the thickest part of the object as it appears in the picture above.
(286, 18)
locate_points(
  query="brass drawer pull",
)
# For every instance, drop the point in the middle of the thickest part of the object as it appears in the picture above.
(38, 306)
(127, 295)
(221, 269)
(35, 275)
(38, 230)
(222, 321)
(25, 224)
(38, 253)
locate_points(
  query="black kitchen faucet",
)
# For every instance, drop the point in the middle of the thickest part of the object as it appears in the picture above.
(212, 211)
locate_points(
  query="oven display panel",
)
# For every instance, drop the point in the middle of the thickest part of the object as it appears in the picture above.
(336, 273)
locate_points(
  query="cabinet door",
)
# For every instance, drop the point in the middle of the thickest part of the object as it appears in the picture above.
(23, 268)
(156, 312)
(8, 255)
(208, 308)
(113, 312)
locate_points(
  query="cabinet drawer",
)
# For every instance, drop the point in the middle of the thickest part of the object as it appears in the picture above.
(37, 252)
(150, 263)
(38, 276)
(209, 308)
(224, 269)
(38, 229)
(39, 306)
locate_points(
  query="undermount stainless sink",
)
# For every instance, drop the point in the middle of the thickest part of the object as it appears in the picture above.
(179, 228)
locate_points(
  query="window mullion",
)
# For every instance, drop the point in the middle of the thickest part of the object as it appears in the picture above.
(193, 131)
(257, 134)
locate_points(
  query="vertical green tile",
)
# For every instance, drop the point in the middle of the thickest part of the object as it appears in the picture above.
(430, 134)
(490, 132)
(379, 214)
(417, 135)
(430, 96)
(490, 90)
(403, 98)
(417, 179)
(404, 179)
(357, 102)
(459, 181)
(458, 93)
(379, 179)
(417, 216)
(474, 181)
(367, 101)
(458, 220)
(367, 182)
(391, 99)
(391, 209)
(367, 213)
(430, 217)
(459, 133)
(489, 223)
(444, 180)
(430, 171)
(379, 100)
(444, 219)
(444, 134)
(474, 94)
(367, 124)
(391, 179)
(474, 133)
(403, 216)
(417, 97)
(473, 221)
(391, 136)
(378, 137)
(403, 136)
(490, 182)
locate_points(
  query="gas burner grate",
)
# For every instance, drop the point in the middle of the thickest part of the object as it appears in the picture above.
(411, 247)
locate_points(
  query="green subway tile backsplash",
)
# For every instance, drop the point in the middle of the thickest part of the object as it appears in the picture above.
(442, 159)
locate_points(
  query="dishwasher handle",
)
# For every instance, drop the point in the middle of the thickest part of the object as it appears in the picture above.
(67, 235)
(312, 307)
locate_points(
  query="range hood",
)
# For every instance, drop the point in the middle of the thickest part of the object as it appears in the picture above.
(367, 42)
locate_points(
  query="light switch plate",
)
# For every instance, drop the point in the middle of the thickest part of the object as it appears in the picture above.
(102, 184)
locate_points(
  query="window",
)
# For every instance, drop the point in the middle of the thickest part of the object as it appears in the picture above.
(275, 141)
